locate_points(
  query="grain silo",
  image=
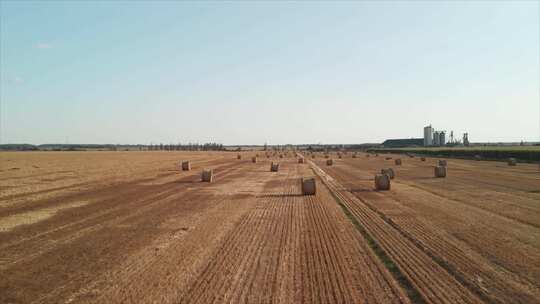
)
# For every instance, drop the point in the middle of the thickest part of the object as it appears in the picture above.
(428, 135)
(442, 138)
(436, 138)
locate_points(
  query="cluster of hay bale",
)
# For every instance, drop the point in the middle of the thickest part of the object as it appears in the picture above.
(440, 171)
(207, 175)
(389, 172)
(186, 165)
(309, 186)
(512, 161)
(382, 182)
(398, 162)
(329, 162)
(274, 167)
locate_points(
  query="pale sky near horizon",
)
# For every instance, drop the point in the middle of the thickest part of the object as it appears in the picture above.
(276, 72)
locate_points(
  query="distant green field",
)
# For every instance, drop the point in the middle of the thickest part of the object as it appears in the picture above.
(523, 153)
(475, 148)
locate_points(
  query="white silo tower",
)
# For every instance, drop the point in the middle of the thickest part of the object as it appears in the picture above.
(442, 138)
(436, 138)
(428, 135)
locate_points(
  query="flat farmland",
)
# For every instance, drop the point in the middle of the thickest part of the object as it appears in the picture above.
(480, 224)
(132, 227)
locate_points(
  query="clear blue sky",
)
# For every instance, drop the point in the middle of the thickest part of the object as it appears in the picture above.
(249, 73)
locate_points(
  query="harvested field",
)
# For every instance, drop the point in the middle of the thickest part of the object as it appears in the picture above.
(126, 227)
(480, 224)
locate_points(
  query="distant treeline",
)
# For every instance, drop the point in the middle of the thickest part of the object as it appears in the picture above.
(526, 154)
(180, 147)
(187, 147)
(18, 147)
(110, 147)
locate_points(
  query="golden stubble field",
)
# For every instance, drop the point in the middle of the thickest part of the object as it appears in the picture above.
(111, 227)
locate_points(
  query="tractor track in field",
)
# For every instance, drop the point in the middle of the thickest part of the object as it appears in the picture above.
(30, 251)
(492, 282)
(525, 210)
(431, 280)
(287, 249)
(157, 267)
(140, 230)
(463, 201)
(496, 283)
(135, 199)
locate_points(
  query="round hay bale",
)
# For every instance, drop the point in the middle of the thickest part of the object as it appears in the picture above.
(382, 182)
(389, 172)
(274, 167)
(512, 161)
(207, 175)
(376, 154)
(354, 156)
(422, 158)
(477, 157)
(313, 156)
(329, 162)
(398, 162)
(254, 159)
(186, 165)
(301, 160)
(440, 171)
(442, 162)
(388, 158)
(280, 156)
(339, 156)
(367, 155)
(309, 186)
(326, 156)
(239, 156)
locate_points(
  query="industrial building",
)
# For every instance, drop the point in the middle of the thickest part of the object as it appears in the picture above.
(431, 138)
(428, 136)
(401, 143)
(434, 138)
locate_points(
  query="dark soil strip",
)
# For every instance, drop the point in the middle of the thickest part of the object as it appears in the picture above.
(411, 291)
(444, 264)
